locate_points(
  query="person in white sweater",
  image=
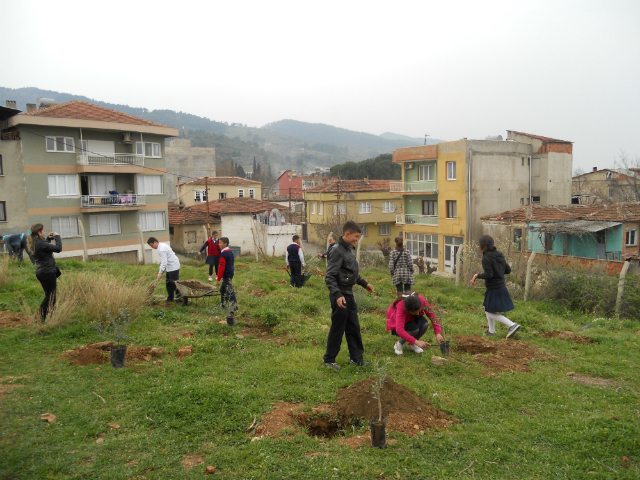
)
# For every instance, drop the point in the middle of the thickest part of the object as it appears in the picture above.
(168, 262)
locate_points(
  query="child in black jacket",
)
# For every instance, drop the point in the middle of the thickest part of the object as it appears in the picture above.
(226, 271)
(342, 274)
(496, 298)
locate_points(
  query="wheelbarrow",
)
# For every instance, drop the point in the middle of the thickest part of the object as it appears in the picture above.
(305, 276)
(195, 289)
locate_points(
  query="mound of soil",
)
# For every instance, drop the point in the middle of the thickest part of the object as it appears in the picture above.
(282, 417)
(98, 354)
(406, 412)
(196, 284)
(568, 337)
(503, 355)
(12, 319)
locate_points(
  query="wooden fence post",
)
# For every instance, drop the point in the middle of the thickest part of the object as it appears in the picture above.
(358, 249)
(144, 257)
(458, 263)
(623, 276)
(85, 255)
(527, 283)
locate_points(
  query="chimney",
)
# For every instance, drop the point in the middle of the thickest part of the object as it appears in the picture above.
(366, 180)
(31, 107)
(595, 169)
(11, 104)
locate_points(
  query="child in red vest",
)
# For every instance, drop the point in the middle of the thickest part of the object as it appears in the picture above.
(212, 246)
(226, 271)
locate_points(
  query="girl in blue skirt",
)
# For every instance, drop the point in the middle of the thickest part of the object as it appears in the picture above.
(496, 298)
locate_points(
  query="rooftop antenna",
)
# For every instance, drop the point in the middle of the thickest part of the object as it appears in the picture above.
(425, 138)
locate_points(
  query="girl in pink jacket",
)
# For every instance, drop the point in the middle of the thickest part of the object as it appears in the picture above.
(406, 319)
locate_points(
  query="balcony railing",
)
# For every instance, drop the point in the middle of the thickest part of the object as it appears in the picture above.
(409, 187)
(85, 158)
(125, 200)
(409, 219)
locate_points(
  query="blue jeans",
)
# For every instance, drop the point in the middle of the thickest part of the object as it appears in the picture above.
(407, 287)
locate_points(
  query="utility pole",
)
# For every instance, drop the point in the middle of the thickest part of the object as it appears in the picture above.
(290, 213)
(206, 192)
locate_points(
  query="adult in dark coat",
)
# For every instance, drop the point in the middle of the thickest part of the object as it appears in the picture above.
(16, 245)
(47, 272)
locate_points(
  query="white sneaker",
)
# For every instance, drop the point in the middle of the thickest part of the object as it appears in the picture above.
(398, 348)
(415, 348)
(211, 279)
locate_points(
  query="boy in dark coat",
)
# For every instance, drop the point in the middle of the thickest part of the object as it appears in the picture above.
(342, 274)
(212, 246)
(295, 262)
(226, 271)
(17, 244)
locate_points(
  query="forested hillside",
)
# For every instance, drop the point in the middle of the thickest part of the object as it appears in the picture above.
(379, 168)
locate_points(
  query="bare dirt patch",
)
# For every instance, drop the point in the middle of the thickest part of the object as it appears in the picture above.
(593, 381)
(190, 461)
(568, 337)
(12, 319)
(7, 387)
(282, 417)
(99, 353)
(258, 292)
(503, 355)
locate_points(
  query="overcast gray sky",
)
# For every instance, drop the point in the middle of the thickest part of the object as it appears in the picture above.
(565, 69)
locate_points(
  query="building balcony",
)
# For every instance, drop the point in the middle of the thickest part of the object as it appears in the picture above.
(408, 219)
(425, 186)
(99, 203)
(111, 159)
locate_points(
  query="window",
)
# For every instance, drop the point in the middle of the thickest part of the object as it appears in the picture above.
(200, 195)
(222, 195)
(609, 176)
(150, 184)
(425, 172)
(149, 149)
(535, 199)
(170, 230)
(240, 192)
(313, 209)
(452, 209)
(517, 238)
(523, 161)
(101, 184)
(522, 201)
(548, 242)
(365, 230)
(430, 207)
(60, 144)
(388, 207)
(252, 193)
(67, 227)
(384, 229)
(60, 185)
(342, 208)
(451, 170)
(104, 224)
(631, 237)
(3, 211)
(191, 237)
(365, 207)
(152, 221)
(319, 208)
(1, 168)
(420, 245)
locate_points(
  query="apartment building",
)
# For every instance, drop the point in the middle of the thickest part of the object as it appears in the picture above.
(90, 173)
(201, 190)
(447, 187)
(367, 202)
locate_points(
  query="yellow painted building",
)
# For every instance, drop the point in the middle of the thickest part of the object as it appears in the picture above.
(194, 192)
(433, 193)
(367, 202)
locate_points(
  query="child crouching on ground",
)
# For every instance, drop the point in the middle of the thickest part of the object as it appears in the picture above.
(406, 319)
(226, 272)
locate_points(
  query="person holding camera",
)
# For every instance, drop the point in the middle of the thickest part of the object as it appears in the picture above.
(47, 272)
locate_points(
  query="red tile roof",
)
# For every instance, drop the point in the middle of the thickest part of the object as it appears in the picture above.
(77, 109)
(225, 206)
(223, 181)
(616, 212)
(352, 186)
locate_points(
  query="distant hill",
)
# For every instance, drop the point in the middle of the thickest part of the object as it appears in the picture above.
(416, 141)
(321, 133)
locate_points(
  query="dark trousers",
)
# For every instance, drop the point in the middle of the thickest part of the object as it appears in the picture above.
(170, 278)
(19, 249)
(214, 265)
(49, 284)
(407, 287)
(296, 274)
(344, 321)
(416, 333)
(228, 296)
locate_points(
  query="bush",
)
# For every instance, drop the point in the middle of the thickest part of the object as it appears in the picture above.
(4, 269)
(270, 319)
(63, 312)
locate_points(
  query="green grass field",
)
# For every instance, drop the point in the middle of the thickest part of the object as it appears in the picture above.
(537, 424)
